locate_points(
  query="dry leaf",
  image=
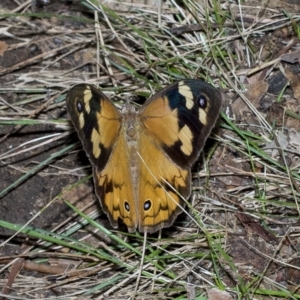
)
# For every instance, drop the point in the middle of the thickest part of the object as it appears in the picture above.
(291, 57)
(294, 80)
(255, 92)
(216, 294)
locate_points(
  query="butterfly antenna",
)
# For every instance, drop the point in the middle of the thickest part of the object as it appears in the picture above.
(142, 263)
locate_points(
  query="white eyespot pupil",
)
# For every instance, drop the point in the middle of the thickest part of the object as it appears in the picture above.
(202, 102)
(127, 206)
(79, 106)
(147, 205)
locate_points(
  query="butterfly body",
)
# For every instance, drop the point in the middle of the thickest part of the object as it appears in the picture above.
(142, 159)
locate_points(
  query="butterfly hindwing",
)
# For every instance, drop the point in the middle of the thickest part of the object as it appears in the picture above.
(114, 187)
(162, 187)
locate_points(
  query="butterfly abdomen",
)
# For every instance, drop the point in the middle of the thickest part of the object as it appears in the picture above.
(131, 132)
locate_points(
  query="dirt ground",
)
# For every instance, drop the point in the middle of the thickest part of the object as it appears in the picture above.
(41, 58)
(21, 203)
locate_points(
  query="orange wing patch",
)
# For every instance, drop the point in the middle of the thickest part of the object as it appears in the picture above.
(163, 124)
(158, 119)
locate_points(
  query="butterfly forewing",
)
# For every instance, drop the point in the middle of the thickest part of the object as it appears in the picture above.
(97, 121)
(180, 118)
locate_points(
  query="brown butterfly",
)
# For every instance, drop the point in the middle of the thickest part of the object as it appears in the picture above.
(142, 159)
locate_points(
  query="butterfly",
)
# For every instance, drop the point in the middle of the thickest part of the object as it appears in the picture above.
(142, 158)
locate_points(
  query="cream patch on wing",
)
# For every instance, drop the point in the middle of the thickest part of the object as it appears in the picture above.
(87, 96)
(95, 139)
(81, 120)
(186, 92)
(204, 112)
(185, 135)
